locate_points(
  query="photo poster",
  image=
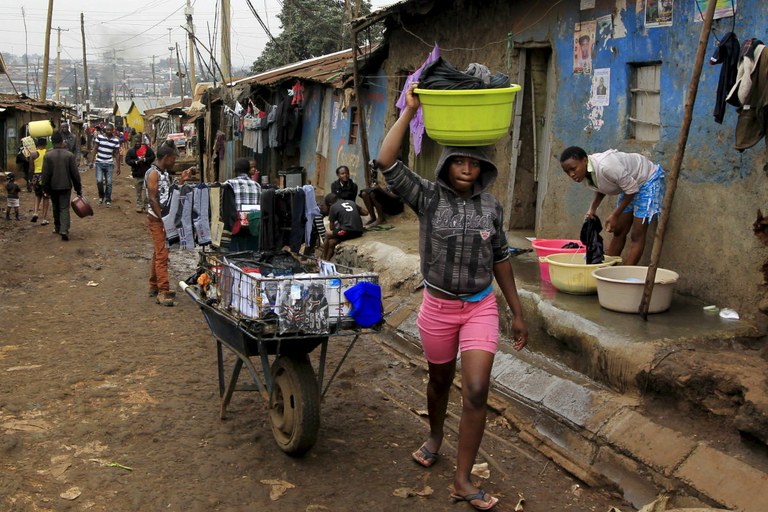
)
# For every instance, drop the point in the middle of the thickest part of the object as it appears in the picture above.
(601, 87)
(583, 44)
(723, 9)
(658, 13)
(605, 27)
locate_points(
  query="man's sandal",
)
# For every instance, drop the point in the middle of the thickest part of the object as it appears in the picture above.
(480, 496)
(424, 456)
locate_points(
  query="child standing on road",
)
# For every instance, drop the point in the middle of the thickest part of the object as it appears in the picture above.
(463, 247)
(41, 198)
(12, 190)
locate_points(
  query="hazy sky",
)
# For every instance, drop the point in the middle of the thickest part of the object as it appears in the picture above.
(137, 29)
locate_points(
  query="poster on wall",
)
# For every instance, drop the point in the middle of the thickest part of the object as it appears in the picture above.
(601, 87)
(658, 13)
(605, 27)
(583, 41)
(723, 9)
(587, 4)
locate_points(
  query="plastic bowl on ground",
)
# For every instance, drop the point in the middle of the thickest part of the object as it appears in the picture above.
(621, 288)
(548, 246)
(474, 117)
(570, 274)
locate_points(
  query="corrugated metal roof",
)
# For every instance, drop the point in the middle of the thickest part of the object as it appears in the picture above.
(167, 108)
(122, 107)
(149, 103)
(26, 104)
(327, 69)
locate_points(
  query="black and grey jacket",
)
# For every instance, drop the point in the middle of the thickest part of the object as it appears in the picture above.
(459, 240)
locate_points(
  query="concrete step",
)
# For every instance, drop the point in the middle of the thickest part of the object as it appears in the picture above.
(586, 392)
(601, 436)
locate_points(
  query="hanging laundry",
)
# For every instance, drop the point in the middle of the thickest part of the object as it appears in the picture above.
(753, 119)
(186, 230)
(298, 220)
(298, 95)
(727, 54)
(200, 221)
(750, 53)
(171, 214)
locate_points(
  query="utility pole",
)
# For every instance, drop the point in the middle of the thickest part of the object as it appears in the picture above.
(46, 56)
(58, 60)
(180, 74)
(85, 72)
(154, 84)
(191, 35)
(114, 77)
(124, 84)
(26, 46)
(76, 95)
(170, 62)
(226, 57)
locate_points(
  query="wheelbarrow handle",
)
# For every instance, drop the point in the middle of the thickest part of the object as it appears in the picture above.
(189, 291)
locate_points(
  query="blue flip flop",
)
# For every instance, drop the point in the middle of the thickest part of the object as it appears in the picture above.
(424, 456)
(480, 495)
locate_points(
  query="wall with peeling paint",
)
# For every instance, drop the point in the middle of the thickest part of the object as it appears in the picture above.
(709, 239)
(341, 152)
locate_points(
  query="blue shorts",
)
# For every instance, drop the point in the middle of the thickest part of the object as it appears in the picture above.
(648, 200)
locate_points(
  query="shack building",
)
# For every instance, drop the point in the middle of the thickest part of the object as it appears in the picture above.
(642, 54)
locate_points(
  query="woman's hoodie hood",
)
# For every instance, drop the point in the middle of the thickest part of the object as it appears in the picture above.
(488, 170)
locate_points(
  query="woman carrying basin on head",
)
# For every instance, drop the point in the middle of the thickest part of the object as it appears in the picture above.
(462, 247)
(639, 184)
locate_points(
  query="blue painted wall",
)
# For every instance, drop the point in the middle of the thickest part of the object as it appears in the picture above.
(341, 152)
(710, 154)
(313, 98)
(709, 239)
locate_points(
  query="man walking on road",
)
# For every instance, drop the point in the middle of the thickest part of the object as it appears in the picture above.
(106, 153)
(139, 158)
(60, 175)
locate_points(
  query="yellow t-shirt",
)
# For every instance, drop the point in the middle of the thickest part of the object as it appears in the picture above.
(39, 161)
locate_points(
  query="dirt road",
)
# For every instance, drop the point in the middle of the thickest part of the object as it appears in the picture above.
(110, 402)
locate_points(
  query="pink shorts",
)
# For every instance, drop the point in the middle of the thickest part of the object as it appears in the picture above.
(445, 326)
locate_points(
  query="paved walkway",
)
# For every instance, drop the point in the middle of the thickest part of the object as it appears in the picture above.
(576, 394)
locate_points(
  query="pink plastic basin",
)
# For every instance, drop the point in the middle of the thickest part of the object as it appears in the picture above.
(545, 247)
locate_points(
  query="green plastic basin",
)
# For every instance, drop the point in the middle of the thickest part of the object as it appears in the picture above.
(477, 117)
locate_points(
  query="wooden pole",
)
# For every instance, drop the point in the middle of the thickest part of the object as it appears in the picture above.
(85, 78)
(58, 61)
(191, 36)
(46, 56)
(360, 110)
(677, 160)
(226, 52)
(180, 75)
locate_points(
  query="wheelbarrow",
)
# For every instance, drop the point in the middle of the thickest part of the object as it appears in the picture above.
(286, 379)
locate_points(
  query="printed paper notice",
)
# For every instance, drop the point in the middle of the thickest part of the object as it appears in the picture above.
(601, 87)
(658, 13)
(587, 4)
(723, 9)
(583, 41)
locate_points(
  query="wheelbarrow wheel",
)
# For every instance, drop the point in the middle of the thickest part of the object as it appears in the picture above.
(294, 409)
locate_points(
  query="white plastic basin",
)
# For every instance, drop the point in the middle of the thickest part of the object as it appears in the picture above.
(621, 288)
